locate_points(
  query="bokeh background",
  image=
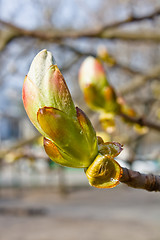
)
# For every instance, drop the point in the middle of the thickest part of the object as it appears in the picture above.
(38, 199)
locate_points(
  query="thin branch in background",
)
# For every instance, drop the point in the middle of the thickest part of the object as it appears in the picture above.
(75, 49)
(109, 31)
(116, 64)
(132, 19)
(125, 68)
(139, 80)
(18, 144)
(142, 121)
(70, 64)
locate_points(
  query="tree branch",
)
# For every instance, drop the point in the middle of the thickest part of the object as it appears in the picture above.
(108, 31)
(136, 179)
(141, 121)
(17, 145)
(139, 80)
(132, 18)
(116, 64)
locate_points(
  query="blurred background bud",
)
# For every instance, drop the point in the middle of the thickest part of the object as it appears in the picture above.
(107, 121)
(98, 94)
(103, 54)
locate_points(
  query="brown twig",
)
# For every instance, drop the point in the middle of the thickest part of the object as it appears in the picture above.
(139, 80)
(132, 19)
(17, 145)
(70, 64)
(116, 64)
(109, 31)
(136, 179)
(141, 121)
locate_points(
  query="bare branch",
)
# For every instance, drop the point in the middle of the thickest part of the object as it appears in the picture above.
(142, 121)
(70, 64)
(17, 145)
(116, 64)
(108, 31)
(136, 179)
(132, 19)
(139, 80)
(136, 35)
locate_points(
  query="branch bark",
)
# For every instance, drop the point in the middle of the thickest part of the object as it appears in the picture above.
(139, 80)
(132, 18)
(141, 121)
(136, 179)
(109, 31)
(17, 145)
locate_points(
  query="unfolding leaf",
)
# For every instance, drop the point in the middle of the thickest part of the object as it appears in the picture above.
(104, 172)
(67, 134)
(32, 101)
(55, 154)
(112, 149)
(93, 97)
(99, 95)
(56, 91)
(87, 129)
